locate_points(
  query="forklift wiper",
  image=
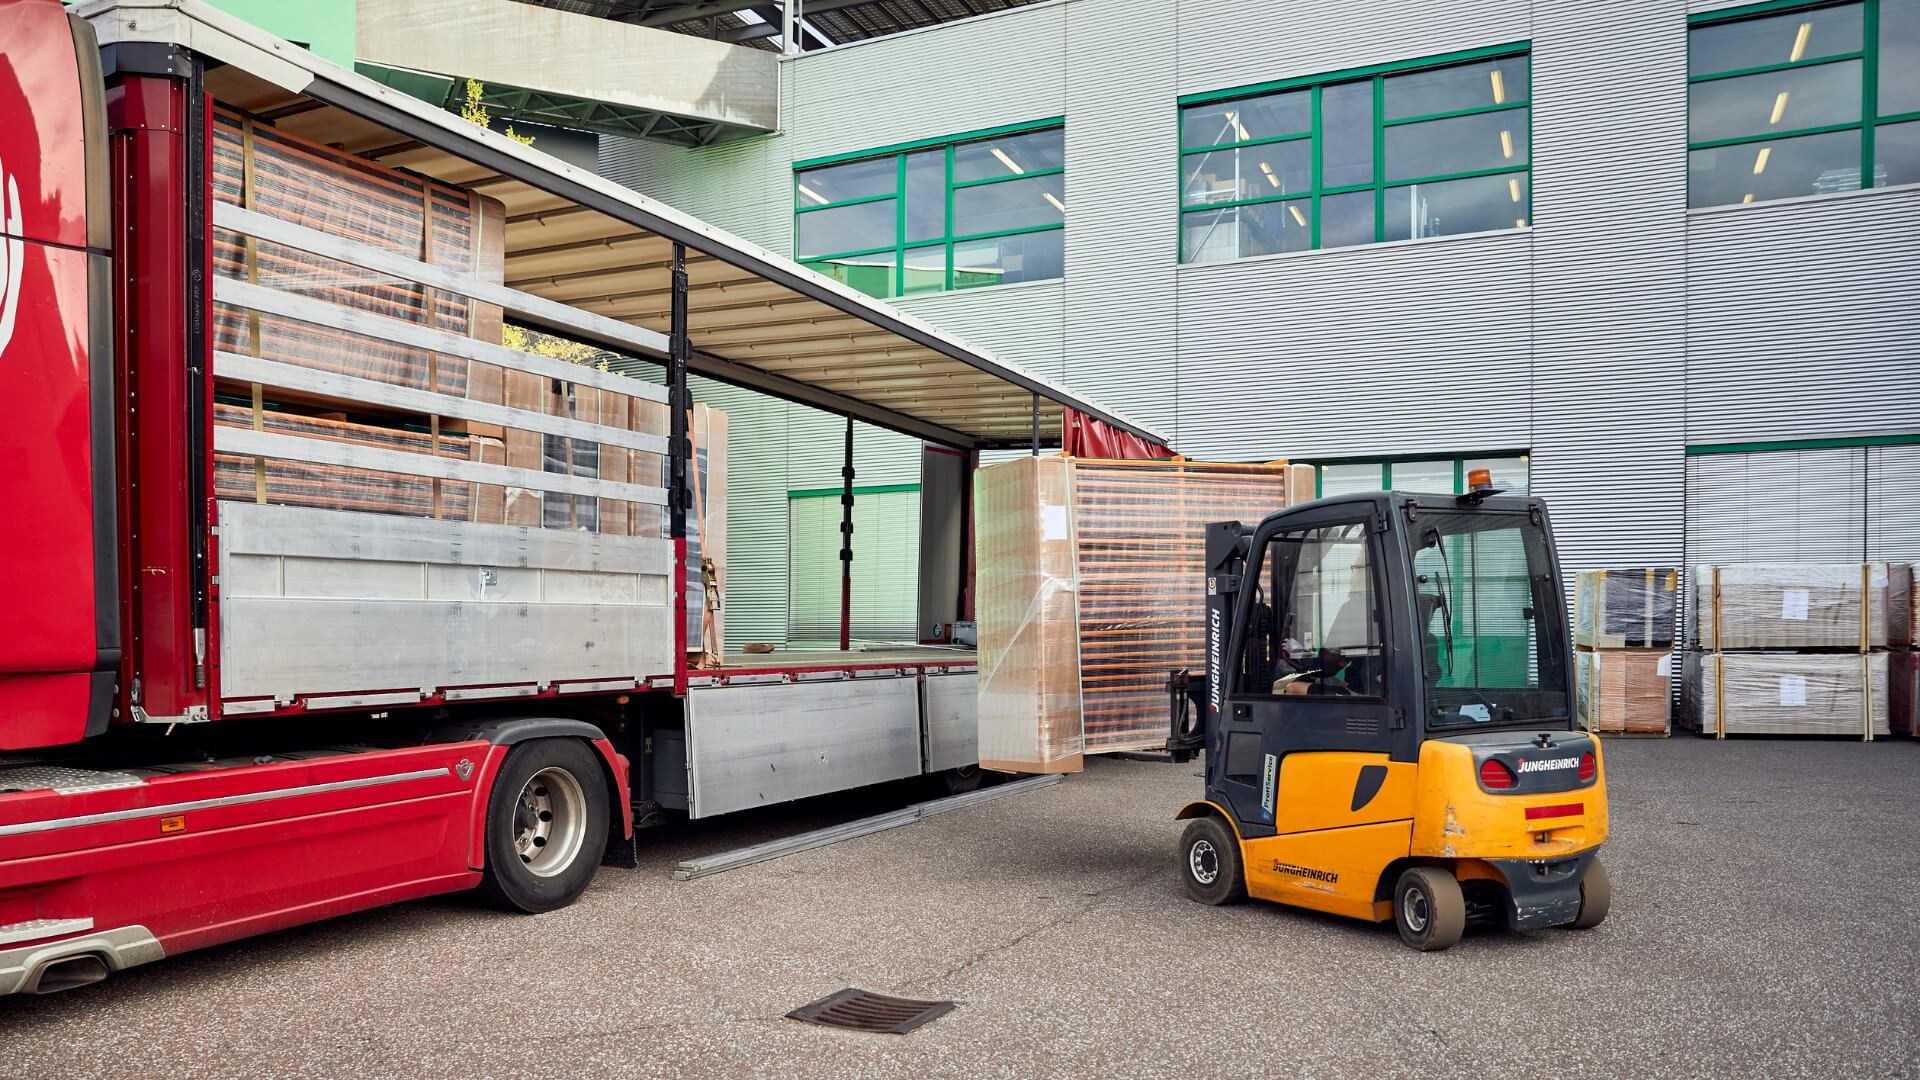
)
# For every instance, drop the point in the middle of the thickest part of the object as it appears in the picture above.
(1431, 538)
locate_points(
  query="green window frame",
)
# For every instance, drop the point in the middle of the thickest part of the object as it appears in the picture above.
(1778, 81)
(1459, 464)
(1505, 100)
(904, 266)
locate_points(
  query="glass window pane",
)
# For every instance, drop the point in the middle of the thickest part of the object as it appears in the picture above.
(1346, 134)
(871, 274)
(1509, 473)
(846, 228)
(1776, 169)
(1345, 479)
(1777, 39)
(1009, 155)
(1249, 172)
(1346, 219)
(1775, 101)
(1238, 232)
(1896, 154)
(1265, 117)
(926, 195)
(1434, 477)
(1016, 204)
(1450, 89)
(1462, 144)
(1004, 260)
(1899, 57)
(926, 270)
(1477, 204)
(854, 180)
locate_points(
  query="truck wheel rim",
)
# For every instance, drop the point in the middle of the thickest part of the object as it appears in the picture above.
(549, 822)
(1413, 908)
(1204, 862)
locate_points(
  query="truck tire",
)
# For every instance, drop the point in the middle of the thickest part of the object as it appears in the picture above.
(546, 826)
(1596, 896)
(1428, 908)
(1210, 863)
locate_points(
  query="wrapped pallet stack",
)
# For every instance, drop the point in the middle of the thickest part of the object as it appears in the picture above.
(1623, 636)
(1090, 591)
(1903, 663)
(1795, 649)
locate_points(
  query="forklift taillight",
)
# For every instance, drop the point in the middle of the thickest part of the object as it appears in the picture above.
(1495, 776)
(1588, 767)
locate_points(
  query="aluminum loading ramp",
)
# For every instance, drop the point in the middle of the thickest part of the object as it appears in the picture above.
(604, 253)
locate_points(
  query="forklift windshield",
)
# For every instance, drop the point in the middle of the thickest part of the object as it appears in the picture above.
(1489, 618)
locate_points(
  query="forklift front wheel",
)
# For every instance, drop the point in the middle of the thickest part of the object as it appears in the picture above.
(1428, 908)
(1596, 896)
(1210, 862)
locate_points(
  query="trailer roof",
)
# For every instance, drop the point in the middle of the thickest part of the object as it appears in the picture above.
(756, 319)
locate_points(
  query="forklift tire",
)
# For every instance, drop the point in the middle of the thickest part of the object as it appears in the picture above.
(547, 826)
(1596, 896)
(1210, 863)
(1428, 908)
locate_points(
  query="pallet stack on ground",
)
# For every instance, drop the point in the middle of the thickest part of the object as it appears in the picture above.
(1795, 649)
(1623, 635)
(1091, 590)
(1903, 670)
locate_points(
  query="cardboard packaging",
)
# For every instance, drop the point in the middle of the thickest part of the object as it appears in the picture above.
(1624, 691)
(1625, 609)
(1758, 693)
(1799, 606)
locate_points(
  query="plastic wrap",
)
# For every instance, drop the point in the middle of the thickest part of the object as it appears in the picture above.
(1029, 673)
(1625, 609)
(1903, 692)
(1788, 693)
(1624, 691)
(1794, 606)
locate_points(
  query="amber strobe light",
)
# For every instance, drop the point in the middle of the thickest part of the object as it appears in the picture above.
(1479, 478)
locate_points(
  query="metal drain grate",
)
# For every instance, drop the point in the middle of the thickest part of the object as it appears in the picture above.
(859, 1010)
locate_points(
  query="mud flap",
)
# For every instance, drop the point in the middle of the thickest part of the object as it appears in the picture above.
(1543, 892)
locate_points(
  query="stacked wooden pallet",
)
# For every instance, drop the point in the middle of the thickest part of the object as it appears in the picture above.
(1623, 632)
(1090, 591)
(1795, 649)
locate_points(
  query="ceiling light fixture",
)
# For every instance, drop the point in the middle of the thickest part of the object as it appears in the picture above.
(1519, 223)
(1779, 108)
(1499, 88)
(1239, 128)
(812, 194)
(1007, 161)
(1057, 204)
(1748, 199)
(1800, 43)
(1295, 211)
(1513, 188)
(1506, 143)
(1268, 170)
(1760, 163)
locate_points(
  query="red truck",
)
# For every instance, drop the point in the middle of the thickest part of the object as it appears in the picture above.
(237, 696)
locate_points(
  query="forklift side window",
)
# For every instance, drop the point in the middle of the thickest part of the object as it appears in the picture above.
(1315, 627)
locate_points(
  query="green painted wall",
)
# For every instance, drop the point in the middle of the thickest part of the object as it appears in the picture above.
(325, 26)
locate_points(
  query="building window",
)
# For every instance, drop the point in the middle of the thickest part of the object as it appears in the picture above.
(1803, 101)
(982, 209)
(1439, 476)
(1427, 148)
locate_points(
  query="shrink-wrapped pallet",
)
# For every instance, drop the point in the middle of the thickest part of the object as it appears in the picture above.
(1029, 654)
(1799, 606)
(1624, 691)
(1761, 693)
(1625, 609)
(1903, 693)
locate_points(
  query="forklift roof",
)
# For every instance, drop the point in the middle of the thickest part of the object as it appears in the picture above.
(756, 319)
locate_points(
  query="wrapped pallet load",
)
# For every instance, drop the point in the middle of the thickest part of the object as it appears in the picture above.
(1734, 693)
(1623, 633)
(1091, 591)
(1624, 691)
(1903, 693)
(1800, 606)
(1625, 609)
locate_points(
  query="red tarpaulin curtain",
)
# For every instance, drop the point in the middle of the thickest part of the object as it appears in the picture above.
(1084, 436)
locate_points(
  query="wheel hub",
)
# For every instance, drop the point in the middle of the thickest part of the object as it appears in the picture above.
(1413, 908)
(549, 822)
(1203, 862)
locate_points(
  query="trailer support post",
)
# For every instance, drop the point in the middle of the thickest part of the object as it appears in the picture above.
(846, 541)
(1035, 452)
(679, 353)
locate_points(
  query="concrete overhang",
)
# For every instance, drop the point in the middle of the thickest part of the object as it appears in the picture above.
(569, 70)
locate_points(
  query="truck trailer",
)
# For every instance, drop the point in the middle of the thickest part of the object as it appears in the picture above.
(326, 598)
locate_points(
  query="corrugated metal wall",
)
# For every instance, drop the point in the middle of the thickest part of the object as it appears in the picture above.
(1614, 332)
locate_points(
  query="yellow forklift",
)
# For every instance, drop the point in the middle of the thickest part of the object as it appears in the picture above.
(1387, 719)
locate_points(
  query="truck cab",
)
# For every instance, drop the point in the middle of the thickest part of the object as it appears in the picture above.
(1389, 702)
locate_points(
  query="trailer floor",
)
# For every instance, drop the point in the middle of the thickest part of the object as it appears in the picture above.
(1762, 892)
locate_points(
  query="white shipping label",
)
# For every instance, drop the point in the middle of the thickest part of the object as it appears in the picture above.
(1793, 604)
(1053, 526)
(1793, 690)
(1665, 667)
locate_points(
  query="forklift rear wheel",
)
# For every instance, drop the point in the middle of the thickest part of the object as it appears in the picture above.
(546, 826)
(1428, 908)
(1210, 858)
(1596, 896)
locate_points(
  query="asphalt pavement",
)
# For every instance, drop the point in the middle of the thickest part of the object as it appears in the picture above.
(1759, 928)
